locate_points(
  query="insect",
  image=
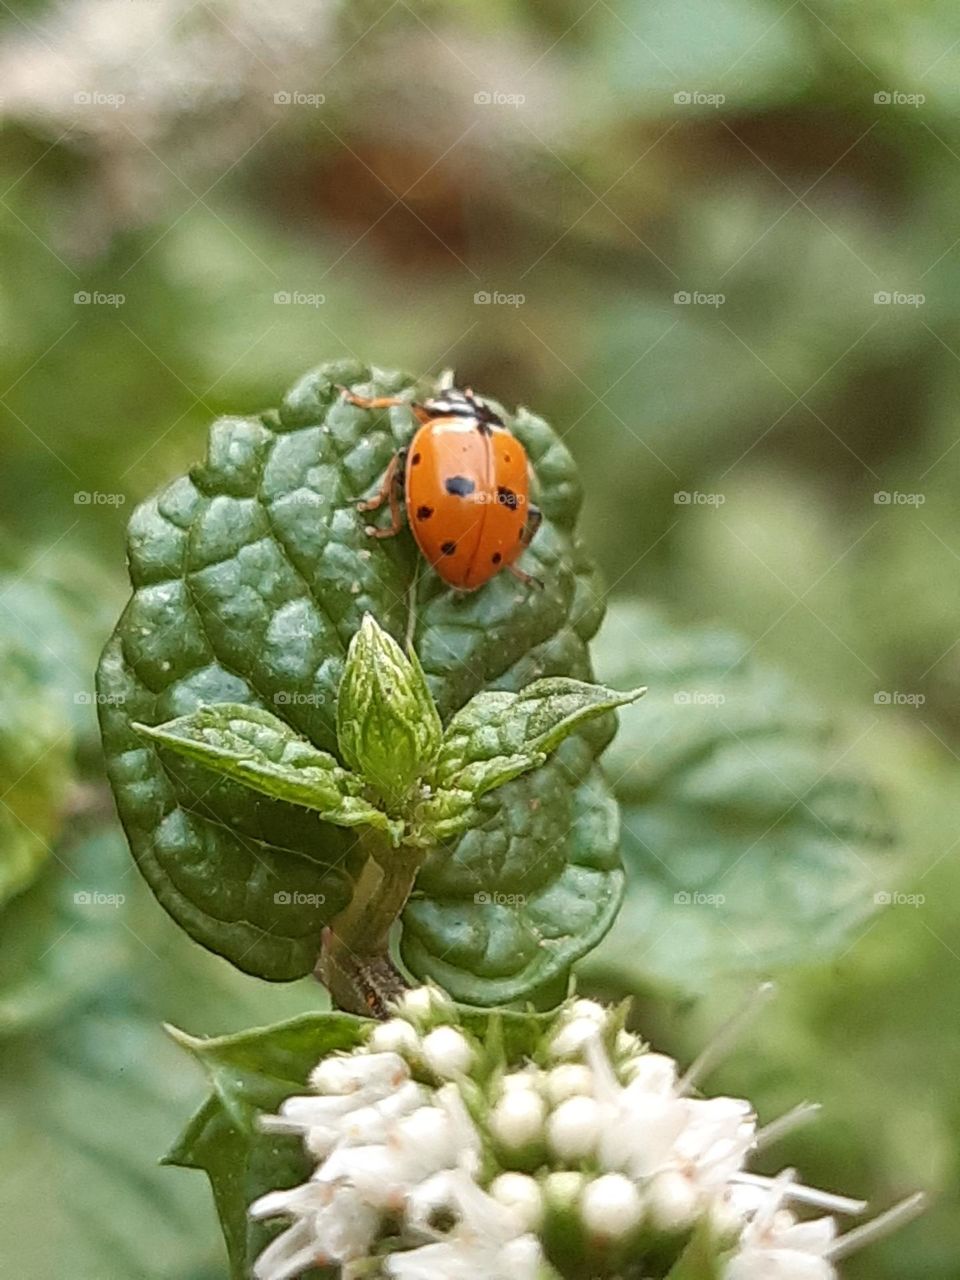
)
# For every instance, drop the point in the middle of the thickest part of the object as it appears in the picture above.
(465, 482)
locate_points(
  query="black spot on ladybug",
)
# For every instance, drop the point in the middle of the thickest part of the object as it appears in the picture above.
(414, 461)
(506, 457)
(507, 497)
(460, 486)
(448, 548)
(496, 557)
(424, 513)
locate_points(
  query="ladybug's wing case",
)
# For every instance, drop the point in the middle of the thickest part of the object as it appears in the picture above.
(448, 481)
(509, 508)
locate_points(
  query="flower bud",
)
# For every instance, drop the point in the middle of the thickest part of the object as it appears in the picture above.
(388, 727)
(573, 1130)
(672, 1201)
(517, 1119)
(447, 1052)
(611, 1207)
(569, 1080)
(394, 1036)
(521, 1193)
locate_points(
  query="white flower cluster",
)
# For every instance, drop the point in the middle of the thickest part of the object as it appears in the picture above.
(449, 1167)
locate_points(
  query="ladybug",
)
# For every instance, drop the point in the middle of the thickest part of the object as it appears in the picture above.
(465, 482)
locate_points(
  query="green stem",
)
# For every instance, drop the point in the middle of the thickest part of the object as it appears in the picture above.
(355, 963)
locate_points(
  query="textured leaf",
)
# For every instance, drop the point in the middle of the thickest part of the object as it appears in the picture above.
(500, 736)
(746, 846)
(250, 579)
(36, 747)
(262, 752)
(388, 726)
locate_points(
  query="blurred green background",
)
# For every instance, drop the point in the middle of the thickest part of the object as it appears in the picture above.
(716, 242)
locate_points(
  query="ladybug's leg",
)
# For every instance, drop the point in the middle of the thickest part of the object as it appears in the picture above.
(391, 490)
(371, 402)
(527, 579)
(534, 521)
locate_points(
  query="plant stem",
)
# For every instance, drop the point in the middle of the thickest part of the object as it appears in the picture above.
(355, 963)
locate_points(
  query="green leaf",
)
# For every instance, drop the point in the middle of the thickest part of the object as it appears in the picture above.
(700, 1260)
(251, 576)
(747, 847)
(388, 726)
(250, 1074)
(36, 749)
(499, 736)
(262, 752)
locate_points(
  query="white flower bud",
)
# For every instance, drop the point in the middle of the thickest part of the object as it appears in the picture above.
(611, 1207)
(672, 1201)
(382, 1072)
(447, 1051)
(571, 1038)
(563, 1189)
(521, 1193)
(654, 1072)
(395, 1036)
(428, 1134)
(573, 1130)
(529, 1078)
(364, 1126)
(590, 1010)
(517, 1119)
(423, 1004)
(568, 1080)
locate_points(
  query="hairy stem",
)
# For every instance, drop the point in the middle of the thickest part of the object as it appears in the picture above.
(355, 963)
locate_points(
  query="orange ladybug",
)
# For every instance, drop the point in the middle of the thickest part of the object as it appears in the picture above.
(465, 482)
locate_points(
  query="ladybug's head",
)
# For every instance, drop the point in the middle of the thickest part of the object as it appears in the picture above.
(456, 402)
